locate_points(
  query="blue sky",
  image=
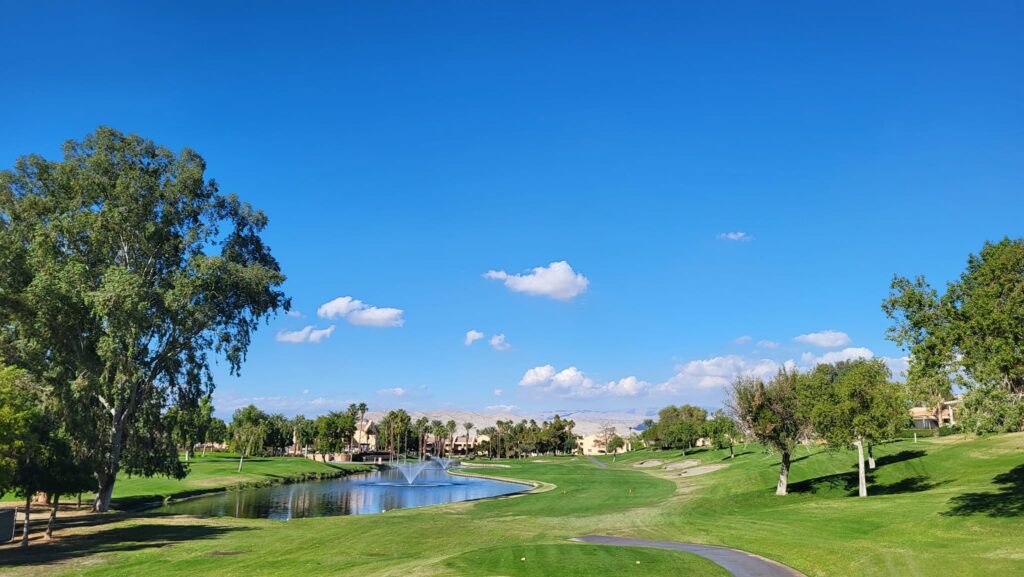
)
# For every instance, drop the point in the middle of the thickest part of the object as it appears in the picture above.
(403, 150)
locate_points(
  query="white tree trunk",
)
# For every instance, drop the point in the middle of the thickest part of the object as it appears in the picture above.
(862, 481)
(28, 513)
(783, 485)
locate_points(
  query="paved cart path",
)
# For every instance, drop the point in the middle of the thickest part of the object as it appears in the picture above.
(596, 462)
(739, 563)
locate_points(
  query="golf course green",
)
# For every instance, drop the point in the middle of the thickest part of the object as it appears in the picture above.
(950, 504)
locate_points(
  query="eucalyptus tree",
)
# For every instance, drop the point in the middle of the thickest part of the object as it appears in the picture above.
(248, 432)
(126, 270)
(771, 412)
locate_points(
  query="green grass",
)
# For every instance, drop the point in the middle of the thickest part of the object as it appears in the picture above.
(945, 505)
(570, 560)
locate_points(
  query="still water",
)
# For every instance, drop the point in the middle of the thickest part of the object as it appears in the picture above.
(356, 495)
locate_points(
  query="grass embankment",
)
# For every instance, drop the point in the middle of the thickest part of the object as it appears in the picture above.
(219, 471)
(946, 504)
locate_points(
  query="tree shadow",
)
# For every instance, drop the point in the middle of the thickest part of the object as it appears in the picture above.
(835, 482)
(1008, 501)
(117, 539)
(905, 455)
(908, 485)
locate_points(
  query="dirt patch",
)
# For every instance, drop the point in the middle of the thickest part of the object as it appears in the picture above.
(701, 470)
(648, 463)
(682, 464)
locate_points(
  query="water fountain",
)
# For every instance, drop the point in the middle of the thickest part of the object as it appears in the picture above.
(412, 470)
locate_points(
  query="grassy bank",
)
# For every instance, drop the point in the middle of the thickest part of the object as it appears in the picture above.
(946, 504)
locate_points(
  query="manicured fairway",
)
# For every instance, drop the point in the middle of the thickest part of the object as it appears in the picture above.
(950, 504)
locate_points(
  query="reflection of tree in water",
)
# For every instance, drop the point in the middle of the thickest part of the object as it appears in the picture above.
(1008, 501)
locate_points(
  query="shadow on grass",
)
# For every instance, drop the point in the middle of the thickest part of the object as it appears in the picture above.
(899, 457)
(1008, 501)
(116, 539)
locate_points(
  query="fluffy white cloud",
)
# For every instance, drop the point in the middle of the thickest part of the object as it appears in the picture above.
(847, 354)
(557, 280)
(472, 336)
(735, 235)
(718, 372)
(898, 366)
(499, 343)
(498, 392)
(358, 313)
(824, 339)
(307, 334)
(743, 340)
(572, 382)
(766, 344)
(294, 313)
(392, 392)
(500, 408)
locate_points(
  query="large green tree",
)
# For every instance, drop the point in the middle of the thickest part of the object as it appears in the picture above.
(853, 403)
(124, 270)
(770, 412)
(975, 330)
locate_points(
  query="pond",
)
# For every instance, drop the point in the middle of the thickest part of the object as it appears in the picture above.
(356, 495)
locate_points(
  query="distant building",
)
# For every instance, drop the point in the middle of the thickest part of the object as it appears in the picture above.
(597, 445)
(925, 417)
(365, 437)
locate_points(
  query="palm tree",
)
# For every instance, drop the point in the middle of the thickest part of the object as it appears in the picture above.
(450, 427)
(468, 427)
(422, 425)
(437, 430)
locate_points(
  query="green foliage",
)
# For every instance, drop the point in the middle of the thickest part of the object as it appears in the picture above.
(615, 443)
(125, 268)
(853, 400)
(19, 403)
(975, 327)
(723, 430)
(770, 411)
(991, 409)
(676, 427)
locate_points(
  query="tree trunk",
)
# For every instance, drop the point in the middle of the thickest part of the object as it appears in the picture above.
(186, 454)
(111, 464)
(53, 517)
(241, 456)
(871, 457)
(783, 485)
(24, 529)
(862, 481)
(731, 452)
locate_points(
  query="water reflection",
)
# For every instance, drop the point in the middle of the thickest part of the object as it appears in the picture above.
(357, 495)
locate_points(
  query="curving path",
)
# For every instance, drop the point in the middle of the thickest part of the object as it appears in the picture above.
(597, 462)
(739, 563)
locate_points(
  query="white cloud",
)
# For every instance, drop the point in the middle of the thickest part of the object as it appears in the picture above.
(498, 392)
(572, 382)
(358, 313)
(743, 340)
(499, 343)
(227, 401)
(305, 391)
(898, 366)
(735, 235)
(766, 344)
(718, 372)
(824, 339)
(557, 280)
(472, 336)
(847, 354)
(392, 392)
(500, 408)
(307, 334)
(294, 313)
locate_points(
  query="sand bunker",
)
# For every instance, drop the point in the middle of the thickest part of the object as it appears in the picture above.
(648, 463)
(682, 464)
(701, 470)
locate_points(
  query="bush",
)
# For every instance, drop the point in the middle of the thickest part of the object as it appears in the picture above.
(946, 430)
(921, 433)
